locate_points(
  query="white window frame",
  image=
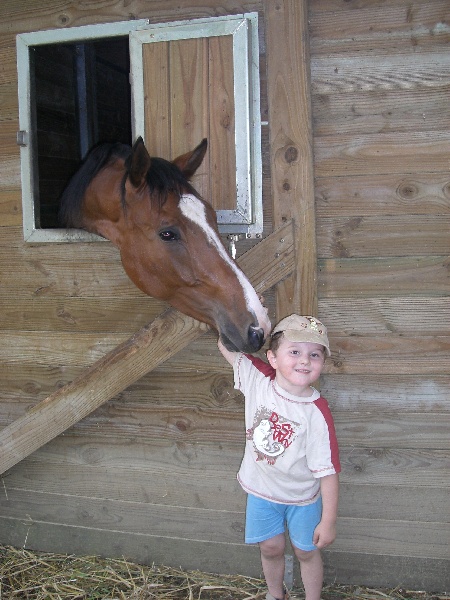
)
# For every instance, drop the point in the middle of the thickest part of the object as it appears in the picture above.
(247, 218)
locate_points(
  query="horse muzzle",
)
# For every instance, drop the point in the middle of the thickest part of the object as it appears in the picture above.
(235, 343)
(255, 338)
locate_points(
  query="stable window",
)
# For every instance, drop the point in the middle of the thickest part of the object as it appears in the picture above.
(171, 83)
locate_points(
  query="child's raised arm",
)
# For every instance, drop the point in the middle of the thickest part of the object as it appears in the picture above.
(227, 354)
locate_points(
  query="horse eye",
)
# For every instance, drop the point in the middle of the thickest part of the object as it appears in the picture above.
(169, 235)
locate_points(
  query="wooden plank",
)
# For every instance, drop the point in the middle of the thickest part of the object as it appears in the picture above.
(371, 195)
(189, 423)
(351, 392)
(360, 237)
(364, 418)
(376, 73)
(393, 430)
(385, 355)
(95, 469)
(396, 503)
(381, 112)
(118, 369)
(25, 381)
(28, 15)
(60, 349)
(66, 354)
(400, 315)
(392, 316)
(35, 276)
(9, 159)
(155, 57)
(382, 153)
(222, 169)
(393, 537)
(189, 110)
(10, 207)
(78, 315)
(142, 548)
(291, 146)
(22, 386)
(395, 27)
(385, 277)
(131, 517)
(386, 571)
(389, 355)
(411, 467)
(376, 466)
(207, 489)
(211, 399)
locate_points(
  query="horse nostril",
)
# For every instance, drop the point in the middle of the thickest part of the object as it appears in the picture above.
(255, 338)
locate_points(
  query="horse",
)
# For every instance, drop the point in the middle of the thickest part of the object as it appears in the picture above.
(167, 236)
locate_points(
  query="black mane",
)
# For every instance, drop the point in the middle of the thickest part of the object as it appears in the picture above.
(163, 177)
(70, 203)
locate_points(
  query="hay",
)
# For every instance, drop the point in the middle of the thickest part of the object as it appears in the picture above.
(44, 576)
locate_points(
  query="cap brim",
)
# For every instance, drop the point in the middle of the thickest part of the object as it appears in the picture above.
(293, 335)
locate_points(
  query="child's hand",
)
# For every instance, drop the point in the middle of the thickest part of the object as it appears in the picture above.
(324, 534)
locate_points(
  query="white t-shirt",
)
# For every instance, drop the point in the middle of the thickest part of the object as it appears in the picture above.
(290, 441)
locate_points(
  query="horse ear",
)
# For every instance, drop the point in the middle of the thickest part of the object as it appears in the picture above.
(138, 163)
(188, 163)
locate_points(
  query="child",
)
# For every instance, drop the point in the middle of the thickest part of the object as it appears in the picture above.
(291, 460)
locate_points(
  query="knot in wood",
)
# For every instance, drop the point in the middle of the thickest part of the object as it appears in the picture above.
(237, 526)
(225, 121)
(408, 190)
(63, 19)
(182, 425)
(291, 154)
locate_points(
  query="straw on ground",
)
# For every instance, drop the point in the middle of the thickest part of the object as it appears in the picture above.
(44, 576)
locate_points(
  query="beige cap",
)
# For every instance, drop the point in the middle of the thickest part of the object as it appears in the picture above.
(303, 329)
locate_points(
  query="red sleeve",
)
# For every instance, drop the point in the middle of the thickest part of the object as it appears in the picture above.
(322, 405)
(262, 366)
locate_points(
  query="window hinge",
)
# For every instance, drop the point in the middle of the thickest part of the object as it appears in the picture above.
(22, 138)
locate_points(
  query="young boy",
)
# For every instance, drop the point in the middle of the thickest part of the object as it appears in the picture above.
(291, 460)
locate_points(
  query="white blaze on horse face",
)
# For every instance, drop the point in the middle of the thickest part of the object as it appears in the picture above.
(194, 210)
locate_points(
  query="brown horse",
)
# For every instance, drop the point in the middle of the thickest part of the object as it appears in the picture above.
(167, 236)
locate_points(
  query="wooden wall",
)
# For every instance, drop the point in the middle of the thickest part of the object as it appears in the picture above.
(380, 81)
(151, 474)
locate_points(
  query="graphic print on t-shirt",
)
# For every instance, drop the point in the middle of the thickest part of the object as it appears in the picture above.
(272, 434)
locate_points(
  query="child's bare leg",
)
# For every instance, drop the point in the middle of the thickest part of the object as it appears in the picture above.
(311, 569)
(272, 559)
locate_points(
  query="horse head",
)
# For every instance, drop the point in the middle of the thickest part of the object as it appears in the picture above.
(168, 240)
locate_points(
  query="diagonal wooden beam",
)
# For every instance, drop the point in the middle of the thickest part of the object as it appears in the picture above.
(265, 264)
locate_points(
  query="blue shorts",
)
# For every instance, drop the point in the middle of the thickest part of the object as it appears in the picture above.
(265, 520)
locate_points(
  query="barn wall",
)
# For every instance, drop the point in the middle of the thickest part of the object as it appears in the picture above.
(151, 474)
(380, 83)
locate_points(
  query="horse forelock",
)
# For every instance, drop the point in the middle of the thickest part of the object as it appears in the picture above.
(71, 201)
(163, 178)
